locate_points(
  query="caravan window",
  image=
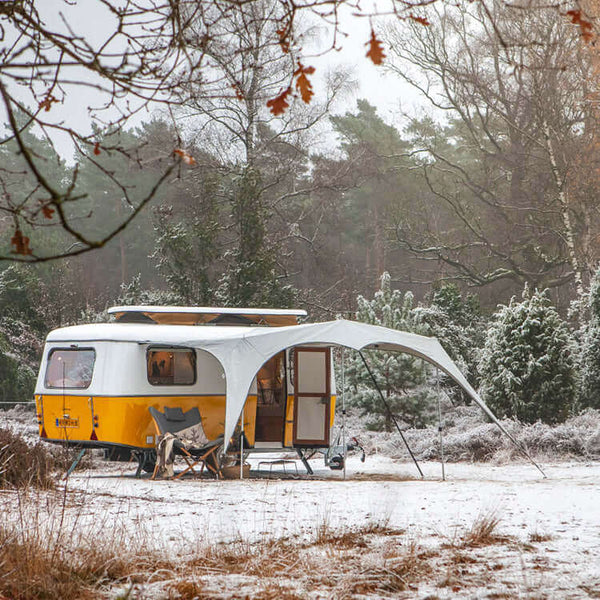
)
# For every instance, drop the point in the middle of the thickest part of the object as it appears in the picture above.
(70, 368)
(171, 366)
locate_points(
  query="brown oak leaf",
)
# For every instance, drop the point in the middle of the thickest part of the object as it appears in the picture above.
(278, 104)
(302, 82)
(48, 211)
(188, 159)
(375, 51)
(21, 243)
(421, 20)
(97, 148)
(284, 40)
(585, 26)
(46, 103)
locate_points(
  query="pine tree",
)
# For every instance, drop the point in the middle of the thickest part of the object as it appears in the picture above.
(457, 323)
(526, 366)
(459, 326)
(399, 376)
(590, 353)
(251, 278)
(21, 333)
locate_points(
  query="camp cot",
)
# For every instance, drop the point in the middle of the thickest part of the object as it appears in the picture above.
(251, 371)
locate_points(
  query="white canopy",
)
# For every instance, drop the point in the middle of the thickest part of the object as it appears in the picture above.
(242, 356)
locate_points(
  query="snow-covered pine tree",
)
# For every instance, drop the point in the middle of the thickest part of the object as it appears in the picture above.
(457, 323)
(590, 353)
(21, 333)
(526, 366)
(459, 326)
(400, 376)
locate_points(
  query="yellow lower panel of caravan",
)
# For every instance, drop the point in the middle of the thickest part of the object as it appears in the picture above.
(126, 420)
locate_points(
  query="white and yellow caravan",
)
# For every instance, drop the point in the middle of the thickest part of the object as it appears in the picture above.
(97, 382)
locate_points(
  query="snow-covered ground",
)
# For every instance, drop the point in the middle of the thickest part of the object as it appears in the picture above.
(546, 544)
(551, 526)
(565, 504)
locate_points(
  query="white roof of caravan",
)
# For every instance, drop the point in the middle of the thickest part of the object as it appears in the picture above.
(142, 333)
(206, 315)
(211, 310)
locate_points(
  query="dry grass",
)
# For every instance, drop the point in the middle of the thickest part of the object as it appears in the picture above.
(353, 537)
(187, 589)
(398, 572)
(22, 465)
(264, 559)
(483, 531)
(38, 568)
(47, 554)
(275, 592)
(69, 558)
(537, 537)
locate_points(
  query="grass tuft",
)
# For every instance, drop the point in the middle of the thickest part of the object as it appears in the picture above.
(483, 531)
(398, 573)
(537, 537)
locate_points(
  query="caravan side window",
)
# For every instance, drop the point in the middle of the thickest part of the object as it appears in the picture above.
(171, 366)
(70, 368)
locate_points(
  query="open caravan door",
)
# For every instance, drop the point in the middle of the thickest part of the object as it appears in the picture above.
(312, 396)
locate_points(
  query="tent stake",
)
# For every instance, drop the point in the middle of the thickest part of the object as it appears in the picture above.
(391, 415)
(440, 428)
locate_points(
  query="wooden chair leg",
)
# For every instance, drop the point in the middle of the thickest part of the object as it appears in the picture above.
(191, 462)
(190, 468)
(216, 469)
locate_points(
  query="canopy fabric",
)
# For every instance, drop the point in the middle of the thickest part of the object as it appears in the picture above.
(243, 356)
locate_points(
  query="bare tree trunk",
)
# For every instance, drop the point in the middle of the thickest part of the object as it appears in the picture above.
(563, 200)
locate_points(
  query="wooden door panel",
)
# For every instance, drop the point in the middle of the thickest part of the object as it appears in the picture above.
(312, 396)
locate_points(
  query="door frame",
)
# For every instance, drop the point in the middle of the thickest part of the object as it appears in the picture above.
(327, 395)
(281, 438)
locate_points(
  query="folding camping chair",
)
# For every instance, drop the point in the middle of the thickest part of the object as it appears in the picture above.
(181, 433)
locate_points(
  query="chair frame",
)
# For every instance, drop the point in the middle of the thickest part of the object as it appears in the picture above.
(205, 453)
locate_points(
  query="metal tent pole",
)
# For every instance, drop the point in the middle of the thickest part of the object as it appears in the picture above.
(391, 415)
(344, 445)
(440, 428)
(242, 446)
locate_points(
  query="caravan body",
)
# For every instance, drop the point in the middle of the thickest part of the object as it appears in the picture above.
(97, 382)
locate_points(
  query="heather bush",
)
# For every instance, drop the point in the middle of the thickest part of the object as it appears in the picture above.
(22, 465)
(469, 436)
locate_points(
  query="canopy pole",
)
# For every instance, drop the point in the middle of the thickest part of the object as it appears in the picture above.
(521, 448)
(242, 445)
(391, 415)
(440, 428)
(344, 445)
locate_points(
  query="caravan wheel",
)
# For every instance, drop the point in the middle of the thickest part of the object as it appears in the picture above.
(336, 463)
(149, 461)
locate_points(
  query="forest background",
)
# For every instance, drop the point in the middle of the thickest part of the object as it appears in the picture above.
(489, 190)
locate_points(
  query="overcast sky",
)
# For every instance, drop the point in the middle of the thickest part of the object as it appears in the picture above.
(387, 92)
